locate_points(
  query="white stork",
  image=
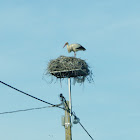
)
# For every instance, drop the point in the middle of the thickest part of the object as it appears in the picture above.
(74, 48)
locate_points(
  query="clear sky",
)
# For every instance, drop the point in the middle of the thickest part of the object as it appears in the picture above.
(33, 32)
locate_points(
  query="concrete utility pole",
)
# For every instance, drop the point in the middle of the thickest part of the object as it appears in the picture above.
(68, 134)
(70, 101)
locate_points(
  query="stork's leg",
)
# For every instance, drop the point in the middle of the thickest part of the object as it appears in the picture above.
(74, 54)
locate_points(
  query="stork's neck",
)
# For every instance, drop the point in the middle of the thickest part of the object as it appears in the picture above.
(69, 48)
(67, 45)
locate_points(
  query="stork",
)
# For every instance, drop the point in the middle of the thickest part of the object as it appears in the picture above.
(74, 48)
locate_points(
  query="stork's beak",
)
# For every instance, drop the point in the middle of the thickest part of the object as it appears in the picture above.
(64, 45)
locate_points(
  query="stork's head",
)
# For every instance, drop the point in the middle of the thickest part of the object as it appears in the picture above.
(66, 44)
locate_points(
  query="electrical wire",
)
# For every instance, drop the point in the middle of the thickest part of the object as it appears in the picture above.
(86, 130)
(21, 110)
(41, 107)
(30, 95)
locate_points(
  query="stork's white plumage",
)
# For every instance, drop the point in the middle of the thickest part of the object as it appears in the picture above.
(74, 48)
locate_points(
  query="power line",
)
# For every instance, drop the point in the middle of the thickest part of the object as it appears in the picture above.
(21, 110)
(30, 95)
(42, 107)
(86, 131)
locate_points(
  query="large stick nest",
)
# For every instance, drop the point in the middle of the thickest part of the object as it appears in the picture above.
(65, 67)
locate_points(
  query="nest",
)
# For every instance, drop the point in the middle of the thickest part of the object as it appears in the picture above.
(66, 67)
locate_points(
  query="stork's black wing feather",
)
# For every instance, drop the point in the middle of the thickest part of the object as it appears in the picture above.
(81, 48)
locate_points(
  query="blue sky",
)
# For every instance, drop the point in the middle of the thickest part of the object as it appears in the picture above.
(33, 32)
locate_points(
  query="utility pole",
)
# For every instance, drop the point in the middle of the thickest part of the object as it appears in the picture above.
(70, 101)
(68, 134)
(66, 121)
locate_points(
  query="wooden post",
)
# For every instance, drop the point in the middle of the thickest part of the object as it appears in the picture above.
(68, 135)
